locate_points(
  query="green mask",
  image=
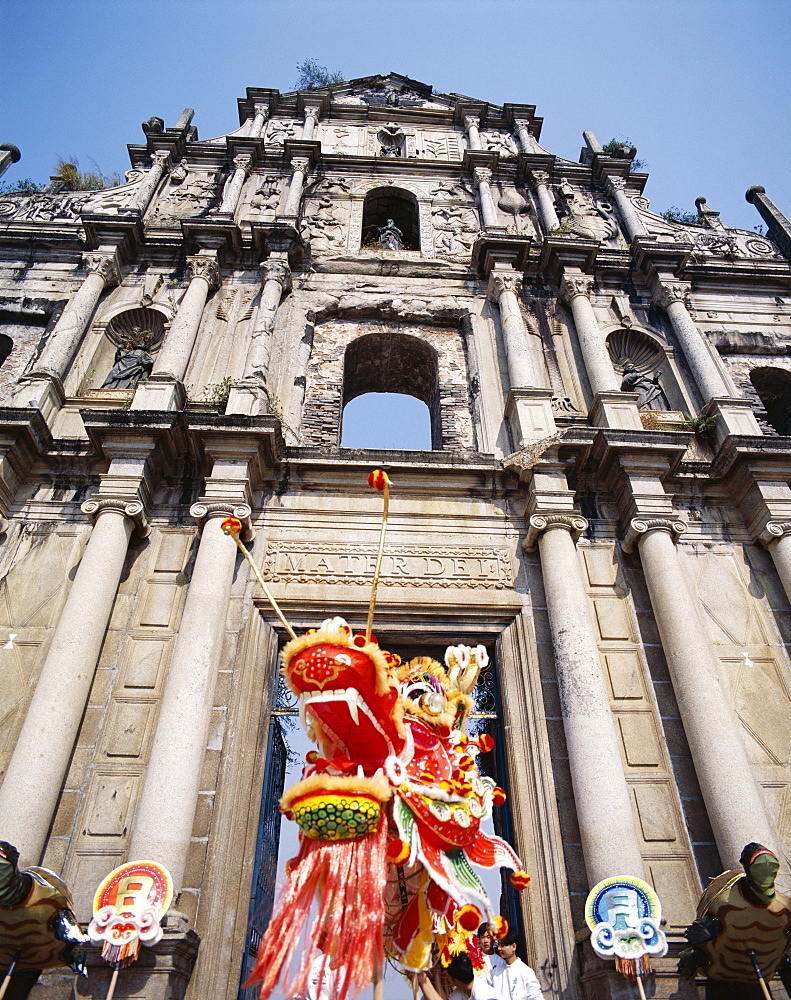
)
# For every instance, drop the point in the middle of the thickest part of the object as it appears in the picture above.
(761, 875)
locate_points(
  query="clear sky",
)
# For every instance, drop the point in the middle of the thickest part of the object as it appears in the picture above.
(701, 87)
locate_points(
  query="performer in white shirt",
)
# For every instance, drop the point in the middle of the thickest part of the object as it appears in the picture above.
(486, 942)
(467, 985)
(514, 980)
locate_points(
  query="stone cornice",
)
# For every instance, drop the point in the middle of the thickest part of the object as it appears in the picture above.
(575, 524)
(640, 526)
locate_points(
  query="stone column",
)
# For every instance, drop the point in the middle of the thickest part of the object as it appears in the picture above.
(610, 842)
(616, 188)
(482, 177)
(103, 271)
(260, 119)
(776, 539)
(160, 160)
(672, 296)
(778, 225)
(471, 123)
(299, 167)
(32, 785)
(504, 287)
(163, 824)
(9, 154)
(546, 204)
(246, 396)
(309, 126)
(243, 165)
(733, 803)
(576, 289)
(526, 140)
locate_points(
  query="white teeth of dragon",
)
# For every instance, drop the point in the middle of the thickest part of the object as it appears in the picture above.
(302, 718)
(351, 701)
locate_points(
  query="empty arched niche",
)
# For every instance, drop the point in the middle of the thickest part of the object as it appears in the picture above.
(389, 204)
(394, 363)
(6, 346)
(773, 386)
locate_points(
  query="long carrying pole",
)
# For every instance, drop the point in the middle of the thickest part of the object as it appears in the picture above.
(640, 989)
(9, 972)
(378, 481)
(760, 976)
(113, 981)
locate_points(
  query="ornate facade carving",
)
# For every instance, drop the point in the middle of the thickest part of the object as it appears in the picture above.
(640, 526)
(575, 524)
(205, 267)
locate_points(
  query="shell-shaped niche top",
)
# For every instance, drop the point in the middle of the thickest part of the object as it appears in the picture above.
(127, 326)
(631, 345)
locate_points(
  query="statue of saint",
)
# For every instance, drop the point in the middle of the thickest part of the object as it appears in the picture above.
(391, 237)
(648, 389)
(131, 367)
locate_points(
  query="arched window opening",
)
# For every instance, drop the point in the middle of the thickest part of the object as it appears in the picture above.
(773, 386)
(388, 363)
(387, 420)
(6, 346)
(386, 210)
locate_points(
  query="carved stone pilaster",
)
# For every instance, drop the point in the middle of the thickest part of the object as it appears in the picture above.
(575, 524)
(105, 265)
(471, 121)
(205, 267)
(301, 163)
(205, 509)
(575, 284)
(482, 175)
(133, 509)
(671, 291)
(640, 526)
(773, 531)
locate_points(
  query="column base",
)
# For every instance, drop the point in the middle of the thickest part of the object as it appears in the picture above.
(529, 415)
(733, 416)
(42, 392)
(616, 409)
(247, 398)
(160, 392)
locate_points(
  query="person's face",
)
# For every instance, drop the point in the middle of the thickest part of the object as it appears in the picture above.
(486, 941)
(507, 952)
(763, 872)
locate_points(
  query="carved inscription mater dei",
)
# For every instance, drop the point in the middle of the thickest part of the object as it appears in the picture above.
(483, 566)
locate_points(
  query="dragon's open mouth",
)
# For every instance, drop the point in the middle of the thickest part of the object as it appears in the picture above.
(346, 725)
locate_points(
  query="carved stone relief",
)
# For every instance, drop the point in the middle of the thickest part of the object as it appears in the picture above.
(343, 140)
(41, 207)
(391, 140)
(189, 193)
(326, 216)
(436, 145)
(266, 198)
(280, 129)
(500, 142)
(590, 218)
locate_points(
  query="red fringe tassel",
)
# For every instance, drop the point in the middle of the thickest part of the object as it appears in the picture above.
(347, 878)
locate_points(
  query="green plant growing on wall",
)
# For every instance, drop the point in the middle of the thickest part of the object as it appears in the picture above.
(26, 186)
(75, 179)
(676, 214)
(703, 425)
(617, 147)
(216, 393)
(312, 76)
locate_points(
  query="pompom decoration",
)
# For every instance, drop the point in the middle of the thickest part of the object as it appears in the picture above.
(520, 880)
(398, 852)
(231, 525)
(499, 927)
(498, 796)
(486, 743)
(469, 917)
(378, 479)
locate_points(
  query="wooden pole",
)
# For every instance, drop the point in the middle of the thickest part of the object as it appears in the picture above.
(760, 976)
(231, 529)
(640, 989)
(369, 624)
(9, 972)
(113, 981)
(379, 983)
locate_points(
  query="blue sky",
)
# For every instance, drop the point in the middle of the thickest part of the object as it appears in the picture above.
(699, 86)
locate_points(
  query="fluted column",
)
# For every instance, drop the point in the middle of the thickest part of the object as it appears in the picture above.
(610, 842)
(672, 296)
(733, 803)
(776, 538)
(260, 118)
(33, 782)
(299, 168)
(174, 356)
(276, 275)
(103, 271)
(504, 287)
(165, 814)
(546, 204)
(243, 165)
(482, 177)
(616, 188)
(471, 124)
(576, 289)
(160, 160)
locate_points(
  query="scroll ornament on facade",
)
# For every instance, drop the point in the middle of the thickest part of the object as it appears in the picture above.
(127, 909)
(389, 809)
(624, 917)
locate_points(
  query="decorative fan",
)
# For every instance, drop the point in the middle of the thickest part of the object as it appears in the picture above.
(631, 345)
(124, 327)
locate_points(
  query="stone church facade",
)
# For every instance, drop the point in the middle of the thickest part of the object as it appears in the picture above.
(620, 542)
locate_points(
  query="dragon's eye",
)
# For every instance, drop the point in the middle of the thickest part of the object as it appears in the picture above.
(433, 703)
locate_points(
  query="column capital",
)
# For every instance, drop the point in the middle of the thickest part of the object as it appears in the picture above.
(206, 268)
(615, 184)
(539, 177)
(312, 111)
(504, 281)
(482, 175)
(243, 161)
(161, 157)
(575, 524)
(669, 291)
(472, 121)
(276, 270)
(133, 509)
(300, 163)
(773, 531)
(105, 265)
(572, 285)
(261, 109)
(640, 526)
(204, 510)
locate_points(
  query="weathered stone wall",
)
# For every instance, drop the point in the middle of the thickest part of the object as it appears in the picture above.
(325, 379)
